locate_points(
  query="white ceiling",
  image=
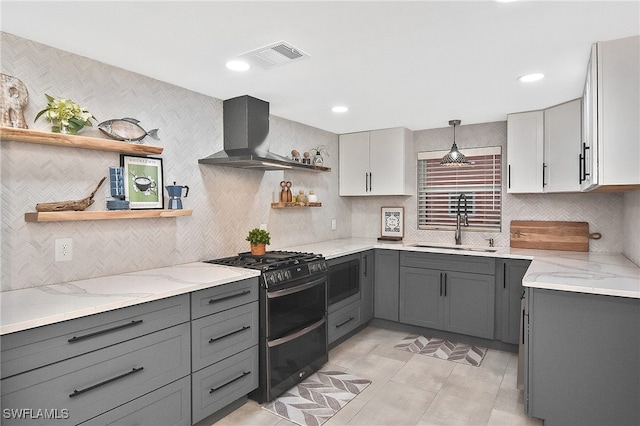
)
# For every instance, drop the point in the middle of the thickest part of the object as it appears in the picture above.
(415, 64)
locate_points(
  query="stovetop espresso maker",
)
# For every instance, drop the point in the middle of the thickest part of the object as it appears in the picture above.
(175, 194)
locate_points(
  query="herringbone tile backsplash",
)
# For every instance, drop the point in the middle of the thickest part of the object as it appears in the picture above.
(226, 202)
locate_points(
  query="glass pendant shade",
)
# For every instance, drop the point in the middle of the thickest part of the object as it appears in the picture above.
(454, 157)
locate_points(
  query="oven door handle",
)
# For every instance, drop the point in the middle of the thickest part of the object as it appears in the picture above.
(295, 289)
(297, 334)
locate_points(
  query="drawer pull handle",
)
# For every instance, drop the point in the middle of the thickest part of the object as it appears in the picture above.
(246, 327)
(128, 373)
(344, 322)
(75, 339)
(230, 381)
(212, 301)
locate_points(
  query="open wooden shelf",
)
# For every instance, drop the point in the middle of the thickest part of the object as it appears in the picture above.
(102, 215)
(11, 134)
(294, 205)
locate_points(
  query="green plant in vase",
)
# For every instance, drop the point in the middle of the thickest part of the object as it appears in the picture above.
(65, 115)
(258, 239)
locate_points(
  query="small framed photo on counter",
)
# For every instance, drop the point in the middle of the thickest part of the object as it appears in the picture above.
(392, 223)
(143, 185)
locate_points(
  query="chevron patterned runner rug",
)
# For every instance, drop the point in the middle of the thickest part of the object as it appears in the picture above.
(318, 398)
(443, 349)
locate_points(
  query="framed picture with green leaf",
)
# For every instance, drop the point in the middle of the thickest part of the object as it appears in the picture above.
(143, 185)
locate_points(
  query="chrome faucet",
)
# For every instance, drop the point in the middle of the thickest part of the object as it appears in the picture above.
(464, 219)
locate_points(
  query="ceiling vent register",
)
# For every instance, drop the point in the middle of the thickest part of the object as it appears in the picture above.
(274, 54)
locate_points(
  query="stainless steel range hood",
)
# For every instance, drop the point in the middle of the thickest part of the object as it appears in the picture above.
(246, 126)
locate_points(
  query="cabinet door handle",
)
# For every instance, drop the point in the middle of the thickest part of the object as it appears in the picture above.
(504, 275)
(584, 161)
(244, 373)
(370, 181)
(75, 339)
(366, 265)
(440, 283)
(220, 299)
(509, 176)
(445, 284)
(345, 322)
(544, 167)
(113, 379)
(215, 339)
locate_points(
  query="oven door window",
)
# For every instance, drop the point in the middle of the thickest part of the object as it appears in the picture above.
(296, 356)
(294, 308)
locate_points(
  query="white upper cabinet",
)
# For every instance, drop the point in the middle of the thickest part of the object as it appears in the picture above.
(525, 137)
(611, 131)
(543, 149)
(562, 135)
(375, 162)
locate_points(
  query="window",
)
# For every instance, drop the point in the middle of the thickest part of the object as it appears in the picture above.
(440, 189)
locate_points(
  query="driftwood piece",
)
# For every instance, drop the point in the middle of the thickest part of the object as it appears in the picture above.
(77, 205)
(13, 98)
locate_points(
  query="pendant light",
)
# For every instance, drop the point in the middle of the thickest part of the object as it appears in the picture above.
(454, 157)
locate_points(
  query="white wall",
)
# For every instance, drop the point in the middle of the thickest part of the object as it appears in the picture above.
(226, 202)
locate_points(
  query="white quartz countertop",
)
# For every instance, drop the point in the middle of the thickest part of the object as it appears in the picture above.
(604, 274)
(610, 274)
(38, 306)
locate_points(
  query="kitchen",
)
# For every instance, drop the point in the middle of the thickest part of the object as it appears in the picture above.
(226, 203)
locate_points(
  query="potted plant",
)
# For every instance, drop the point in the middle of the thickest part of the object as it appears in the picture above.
(65, 115)
(258, 239)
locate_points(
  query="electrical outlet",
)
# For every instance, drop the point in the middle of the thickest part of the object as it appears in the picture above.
(334, 224)
(263, 226)
(64, 249)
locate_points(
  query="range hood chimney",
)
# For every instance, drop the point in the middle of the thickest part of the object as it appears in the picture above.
(246, 127)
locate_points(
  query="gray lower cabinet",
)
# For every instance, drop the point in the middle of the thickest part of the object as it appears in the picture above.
(366, 286)
(224, 350)
(581, 353)
(448, 292)
(509, 291)
(386, 284)
(343, 321)
(169, 405)
(96, 382)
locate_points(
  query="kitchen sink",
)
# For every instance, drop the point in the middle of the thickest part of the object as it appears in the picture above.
(460, 248)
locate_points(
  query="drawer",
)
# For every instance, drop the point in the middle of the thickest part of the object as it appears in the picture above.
(221, 335)
(220, 384)
(223, 297)
(343, 321)
(168, 406)
(25, 350)
(449, 262)
(102, 380)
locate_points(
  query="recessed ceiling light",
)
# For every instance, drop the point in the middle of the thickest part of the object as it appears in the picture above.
(340, 108)
(531, 77)
(237, 65)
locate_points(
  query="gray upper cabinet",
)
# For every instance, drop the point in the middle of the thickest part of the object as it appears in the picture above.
(438, 291)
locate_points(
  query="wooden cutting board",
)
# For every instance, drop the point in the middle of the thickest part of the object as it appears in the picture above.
(550, 235)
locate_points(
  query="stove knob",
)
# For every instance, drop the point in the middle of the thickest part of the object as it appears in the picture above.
(279, 276)
(287, 274)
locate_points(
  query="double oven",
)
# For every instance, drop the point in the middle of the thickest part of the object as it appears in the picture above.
(293, 317)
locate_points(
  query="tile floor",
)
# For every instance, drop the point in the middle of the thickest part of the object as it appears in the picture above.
(412, 389)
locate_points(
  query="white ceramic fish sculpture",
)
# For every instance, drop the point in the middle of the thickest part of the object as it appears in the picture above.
(126, 129)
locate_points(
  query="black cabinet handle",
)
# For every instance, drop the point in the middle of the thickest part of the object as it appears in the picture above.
(580, 168)
(233, 296)
(246, 327)
(370, 181)
(75, 339)
(504, 275)
(509, 176)
(366, 182)
(366, 265)
(544, 166)
(440, 283)
(128, 373)
(445, 284)
(344, 322)
(230, 381)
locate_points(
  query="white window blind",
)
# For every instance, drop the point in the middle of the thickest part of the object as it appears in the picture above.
(439, 188)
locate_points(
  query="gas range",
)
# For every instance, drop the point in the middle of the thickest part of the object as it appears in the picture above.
(277, 267)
